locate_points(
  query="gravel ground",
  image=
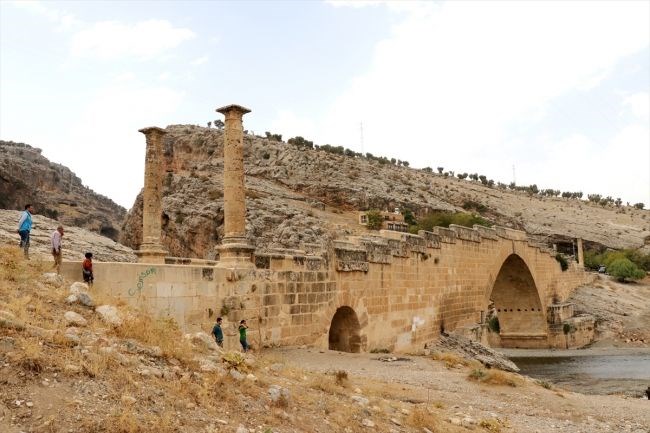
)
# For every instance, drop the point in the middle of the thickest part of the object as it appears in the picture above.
(527, 408)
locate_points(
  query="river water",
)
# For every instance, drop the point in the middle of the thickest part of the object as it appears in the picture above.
(589, 373)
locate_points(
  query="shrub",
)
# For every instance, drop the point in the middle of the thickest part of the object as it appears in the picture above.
(562, 261)
(374, 219)
(624, 270)
(639, 205)
(493, 324)
(444, 219)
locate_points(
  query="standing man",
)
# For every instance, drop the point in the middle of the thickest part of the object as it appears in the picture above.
(24, 227)
(218, 332)
(56, 248)
(242, 335)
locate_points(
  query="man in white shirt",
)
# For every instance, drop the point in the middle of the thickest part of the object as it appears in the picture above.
(56, 248)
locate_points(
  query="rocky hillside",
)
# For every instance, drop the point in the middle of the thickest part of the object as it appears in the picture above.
(26, 176)
(297, 196)
(76, 241)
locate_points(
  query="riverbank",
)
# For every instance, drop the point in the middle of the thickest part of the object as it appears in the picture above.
(518, 403)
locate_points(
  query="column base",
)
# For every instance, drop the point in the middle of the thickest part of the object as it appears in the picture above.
(236, 256)
(151, 253)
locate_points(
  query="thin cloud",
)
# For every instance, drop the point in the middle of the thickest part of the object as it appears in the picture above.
(110, 40)
(453, 82)
(200, 60)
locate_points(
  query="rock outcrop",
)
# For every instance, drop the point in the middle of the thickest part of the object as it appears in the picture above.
(26, 176)
(76, 241)
(298, 196)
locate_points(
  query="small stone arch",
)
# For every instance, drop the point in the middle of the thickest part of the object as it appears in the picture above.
(517, 301)
(345, 331)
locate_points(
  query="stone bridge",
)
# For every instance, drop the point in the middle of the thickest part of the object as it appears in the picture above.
(390, 290)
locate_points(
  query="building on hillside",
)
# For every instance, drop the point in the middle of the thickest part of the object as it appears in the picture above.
(390, 220)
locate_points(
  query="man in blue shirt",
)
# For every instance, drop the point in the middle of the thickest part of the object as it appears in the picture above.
(218, 332)
(24, 227)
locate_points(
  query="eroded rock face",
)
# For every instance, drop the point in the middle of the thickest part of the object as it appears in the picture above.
(26, 176)
(300, 196)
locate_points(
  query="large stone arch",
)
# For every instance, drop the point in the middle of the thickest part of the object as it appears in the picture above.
(518, 305)
(345, 331)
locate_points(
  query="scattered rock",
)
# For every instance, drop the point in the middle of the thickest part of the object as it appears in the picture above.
(72, 318)
(80, 298)
(110, 315)
(78, 287)
(361, 401)
(241, 429)
(278, 393)
(367, 423)
(236, 375)
(128, 400)
(7, 344)
(72, 369)
(53, 279)
(472, 350)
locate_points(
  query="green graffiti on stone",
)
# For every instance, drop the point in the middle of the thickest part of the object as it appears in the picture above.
(140, 284)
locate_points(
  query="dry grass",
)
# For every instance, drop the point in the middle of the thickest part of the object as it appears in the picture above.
(422, 418)
(451, 359)
(341, 377)
(495, 377)
(493, 425)
(31, 358)
(162, 332)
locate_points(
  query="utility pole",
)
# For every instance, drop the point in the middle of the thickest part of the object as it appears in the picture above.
(514, 179)
(361, 136)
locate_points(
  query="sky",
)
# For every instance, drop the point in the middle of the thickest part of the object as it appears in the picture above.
(552, 93)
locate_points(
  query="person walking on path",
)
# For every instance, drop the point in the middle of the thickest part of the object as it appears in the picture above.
(87, 269)
(24, 227)
(242, 335)
(218, 332)
(57, 237)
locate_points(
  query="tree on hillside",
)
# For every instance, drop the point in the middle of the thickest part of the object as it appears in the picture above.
(440, 169)
(374, 219)
(209, 124)
(639, 206)
(624, 270)
(219, 124)
(301, 142)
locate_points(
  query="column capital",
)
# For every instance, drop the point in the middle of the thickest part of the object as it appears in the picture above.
(152, 129)
(233, 107)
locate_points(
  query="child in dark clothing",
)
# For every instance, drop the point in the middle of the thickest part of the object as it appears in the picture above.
(87, 269)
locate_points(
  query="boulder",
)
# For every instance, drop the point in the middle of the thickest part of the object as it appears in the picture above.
(76, 319)
(278, 394)
(109, 315)
(53, 279)
(78, 287)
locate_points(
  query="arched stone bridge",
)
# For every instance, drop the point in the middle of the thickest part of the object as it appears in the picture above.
(387, 291)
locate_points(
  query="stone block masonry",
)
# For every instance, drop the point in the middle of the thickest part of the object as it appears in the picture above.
(373, 292)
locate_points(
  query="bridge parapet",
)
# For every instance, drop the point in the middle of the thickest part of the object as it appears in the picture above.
(486, 232)
(512, 234)
(465, 233)
(447, 236)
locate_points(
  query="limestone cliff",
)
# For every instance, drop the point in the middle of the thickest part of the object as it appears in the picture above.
(26, 176)
(297, 196)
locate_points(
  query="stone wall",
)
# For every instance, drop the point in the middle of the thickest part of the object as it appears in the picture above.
(403, 289)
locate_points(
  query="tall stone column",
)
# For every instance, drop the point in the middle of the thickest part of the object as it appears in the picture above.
(235, 251)
(581, 253)
(151, 249)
